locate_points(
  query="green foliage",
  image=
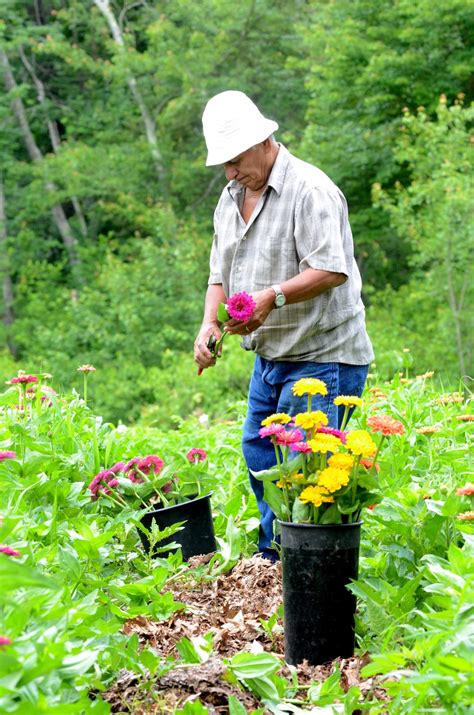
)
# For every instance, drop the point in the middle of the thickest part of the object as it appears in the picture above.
(366, 61)
(434, 211)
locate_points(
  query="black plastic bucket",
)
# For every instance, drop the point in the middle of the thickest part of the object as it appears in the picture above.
(318, 562)
(197, 533)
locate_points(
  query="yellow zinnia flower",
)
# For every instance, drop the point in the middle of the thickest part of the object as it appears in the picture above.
(309, 386)
(297, 475)
(348, 401)
(278, 418)
(360, 442)
(315, 496)
(308, 420)
(332, 479)
(340, 460)
(324, 443)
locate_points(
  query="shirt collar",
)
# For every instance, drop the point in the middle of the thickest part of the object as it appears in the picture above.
(276, 178)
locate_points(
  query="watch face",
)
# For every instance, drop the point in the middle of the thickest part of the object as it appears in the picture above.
(280, 300)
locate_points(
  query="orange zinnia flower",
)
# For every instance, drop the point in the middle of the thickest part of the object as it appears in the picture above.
(385, 425)
(428, 429)
(466, 516)
(369, 463)
(466, 490)
(465, 418)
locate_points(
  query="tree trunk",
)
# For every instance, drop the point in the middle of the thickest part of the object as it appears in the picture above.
(148, 122)
(57, 210)
(53, 134)
(7, 284)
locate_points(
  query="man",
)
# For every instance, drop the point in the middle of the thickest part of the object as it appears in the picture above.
(282, 234)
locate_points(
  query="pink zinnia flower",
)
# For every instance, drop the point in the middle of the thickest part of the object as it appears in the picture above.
(131, 463)
(152, 461)
(119, 467)
(4, 641)
(334, 432)
(7, 455)
(290, 437)
(8, 551)
(301, 447)
(22, 379)
(100, 481)
(240, 306)
(196, 455)
(271, 430)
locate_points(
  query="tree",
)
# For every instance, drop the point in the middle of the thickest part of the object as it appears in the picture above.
(366, 60)
(434, 212)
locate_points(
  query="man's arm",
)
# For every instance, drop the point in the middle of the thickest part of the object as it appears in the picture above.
(307, 284)
(210, 326)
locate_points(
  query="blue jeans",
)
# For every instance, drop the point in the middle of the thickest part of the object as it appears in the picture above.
(270, 392)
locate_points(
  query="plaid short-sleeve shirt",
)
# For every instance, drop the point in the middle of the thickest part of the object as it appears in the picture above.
(301, 221)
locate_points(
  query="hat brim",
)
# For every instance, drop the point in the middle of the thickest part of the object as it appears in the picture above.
(232, 149)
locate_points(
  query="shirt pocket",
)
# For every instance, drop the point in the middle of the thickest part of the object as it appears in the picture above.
(276, 260)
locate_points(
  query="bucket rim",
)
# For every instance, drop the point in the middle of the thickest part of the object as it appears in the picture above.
(294, 524)
(181, 504)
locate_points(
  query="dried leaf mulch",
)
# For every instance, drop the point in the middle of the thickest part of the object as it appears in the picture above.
(231, 607)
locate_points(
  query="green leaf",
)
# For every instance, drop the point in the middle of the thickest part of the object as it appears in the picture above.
(248, 665)
(235, 706)
(273, 496)
(222, 314)
(301, 513)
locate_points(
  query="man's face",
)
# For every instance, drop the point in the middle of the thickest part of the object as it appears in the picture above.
(251, 168)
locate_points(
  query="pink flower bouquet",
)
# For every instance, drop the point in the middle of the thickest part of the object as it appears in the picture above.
(146, 481)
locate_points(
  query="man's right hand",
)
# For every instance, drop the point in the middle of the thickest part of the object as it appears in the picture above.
(203, 356)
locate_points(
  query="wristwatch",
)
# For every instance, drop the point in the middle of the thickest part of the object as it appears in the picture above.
(280, 298)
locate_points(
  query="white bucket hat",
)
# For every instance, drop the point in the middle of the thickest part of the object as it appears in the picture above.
(232, 123)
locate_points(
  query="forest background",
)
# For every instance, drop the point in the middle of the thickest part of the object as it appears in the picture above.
(106, 204)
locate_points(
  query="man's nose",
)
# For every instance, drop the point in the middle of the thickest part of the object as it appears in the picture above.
(230, 172)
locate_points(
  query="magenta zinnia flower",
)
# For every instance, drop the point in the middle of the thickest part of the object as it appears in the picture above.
(271, 430)
(196, 455)
(22, 379)
(151, 462)
(290, 437)
(4, 641)
(116, 468)
(7, 455)
(301, 447)
(8, 551)
(333, 431)
(240, 306)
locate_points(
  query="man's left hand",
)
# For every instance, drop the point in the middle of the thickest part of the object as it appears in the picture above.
(265, 300)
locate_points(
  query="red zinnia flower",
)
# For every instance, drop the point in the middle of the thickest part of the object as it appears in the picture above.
(240, 306)
(7, 455)
(196, 455)
(385, 424)
(4, 641)
(8, 551)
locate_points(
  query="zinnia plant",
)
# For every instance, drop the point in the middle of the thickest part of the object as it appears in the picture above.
(324, 475)
(146, 481)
